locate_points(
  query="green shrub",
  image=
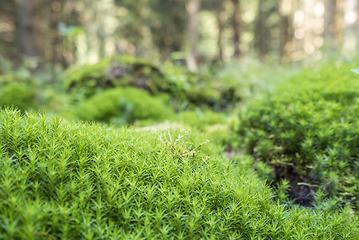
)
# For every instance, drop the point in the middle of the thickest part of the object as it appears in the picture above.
(17, 90)
(78, 181)
(120, 71)
(307, 130)
(124, 105)
(252, 77)
(114, 72)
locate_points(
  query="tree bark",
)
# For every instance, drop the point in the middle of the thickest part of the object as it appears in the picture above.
(339, 22)
(193, 8)
(219, 11)
(260, 30)
(236, 24)
(56, 39)
(284, 38)
(285, 10)
(9, 44)
(26, 28)
(329, 18)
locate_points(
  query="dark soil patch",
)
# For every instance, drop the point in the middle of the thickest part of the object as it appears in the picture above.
(301, 190)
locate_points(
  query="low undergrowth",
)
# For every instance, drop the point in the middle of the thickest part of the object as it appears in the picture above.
(219, 127)
(306, 131)
(66, 180)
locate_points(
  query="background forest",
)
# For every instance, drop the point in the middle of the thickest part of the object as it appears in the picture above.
(62, 33)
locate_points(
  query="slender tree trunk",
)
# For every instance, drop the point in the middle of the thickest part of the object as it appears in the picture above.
(72, 19)
(55, 36)
(9, 42)
(236, 24)
(219, 11)
(285, 10)
(101, 49)
(339, 22)
(284, 38)
(26, 28)
(56, 39)
(193, 8)
(260, 30)
(329, 18)
(100, 34)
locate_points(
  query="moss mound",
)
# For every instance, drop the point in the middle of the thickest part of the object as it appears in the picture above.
(120, 71)
(124, 105)
(18, 91)
(115, 72)
(307, 131)
(79, 181)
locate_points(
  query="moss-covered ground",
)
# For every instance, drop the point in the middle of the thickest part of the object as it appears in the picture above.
(112, 157)
(63, 180)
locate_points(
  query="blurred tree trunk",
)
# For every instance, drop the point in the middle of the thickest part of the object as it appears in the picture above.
(284, 38)
(260, 31)
(333, 21)
(339, 23)
(329, 18)
(26, 28)
(219, 11)
(56, 39)
(71, 16)
(9, 45)
(285, 10)
(101, 36)
(193, 8)
(236, 24)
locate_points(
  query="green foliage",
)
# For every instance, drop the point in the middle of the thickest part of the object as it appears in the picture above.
(309, 127)
(251, 78)
(218, 126)
(124, 105)
(114, 72)
(17, 89)
(198, 89)
(79, 181)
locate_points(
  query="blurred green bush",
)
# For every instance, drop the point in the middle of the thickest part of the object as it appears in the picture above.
(114, 72)
(307, 130)
(18, 89)
(124, 105)
(199, 89)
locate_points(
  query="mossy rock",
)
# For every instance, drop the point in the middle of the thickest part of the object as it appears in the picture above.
(114, 72)
(200, 89)
(85, 181)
